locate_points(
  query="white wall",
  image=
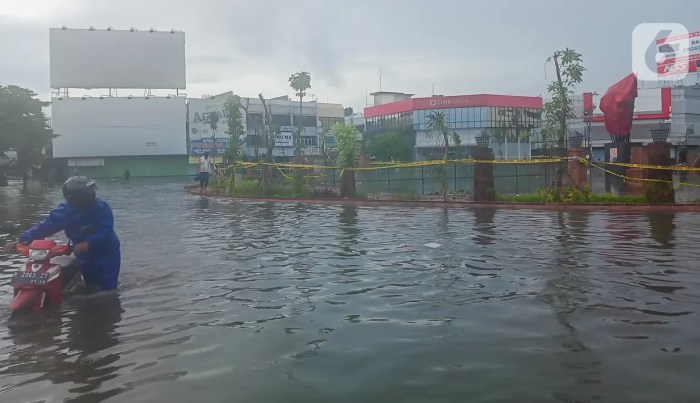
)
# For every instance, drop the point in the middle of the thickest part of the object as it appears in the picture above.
(686, 112)
(118, 127)
(81, 58)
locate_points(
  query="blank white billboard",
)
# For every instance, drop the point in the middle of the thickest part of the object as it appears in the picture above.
(83, 58)
(112, 127)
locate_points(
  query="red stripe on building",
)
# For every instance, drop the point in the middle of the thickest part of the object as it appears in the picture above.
(458, 101)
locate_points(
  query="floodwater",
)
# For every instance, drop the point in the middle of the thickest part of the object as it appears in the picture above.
(225, 301)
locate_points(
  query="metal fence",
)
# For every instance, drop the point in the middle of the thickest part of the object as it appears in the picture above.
(509, 178)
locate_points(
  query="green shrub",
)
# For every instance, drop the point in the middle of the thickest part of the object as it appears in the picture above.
(573, 196)
(659, 192)
(405, 197)
(490, 194)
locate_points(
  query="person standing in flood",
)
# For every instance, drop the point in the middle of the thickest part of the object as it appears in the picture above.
(203, 170)
(127, 174)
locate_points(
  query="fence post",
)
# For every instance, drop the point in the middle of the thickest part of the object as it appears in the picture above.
(517, 188)
(388, 180)
(454, 165)
(422, 181)
(335, 171)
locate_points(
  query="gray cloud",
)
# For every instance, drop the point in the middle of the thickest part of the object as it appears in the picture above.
(461, 47)
(202, 78)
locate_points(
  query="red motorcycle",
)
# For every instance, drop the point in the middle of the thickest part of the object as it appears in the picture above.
(50, 271)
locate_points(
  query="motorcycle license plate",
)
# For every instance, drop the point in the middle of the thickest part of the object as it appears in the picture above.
(29, 278)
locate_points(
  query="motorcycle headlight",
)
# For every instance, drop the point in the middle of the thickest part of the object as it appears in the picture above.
(38, 254)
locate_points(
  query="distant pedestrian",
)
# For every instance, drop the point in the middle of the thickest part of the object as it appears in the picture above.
(203, 171)
(127, 174)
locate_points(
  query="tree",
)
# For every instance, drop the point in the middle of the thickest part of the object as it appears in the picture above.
(348, 142)
(499, 136)
(236, 130)
(299, 82)
(438, 121)
(457, 144)
(569, 68)
(325, 144)
(23, 126)
(268, 136)
(213, 122)
(394, 144)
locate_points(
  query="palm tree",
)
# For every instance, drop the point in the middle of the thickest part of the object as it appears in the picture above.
(438, 121)
(213, 122)
(299, 82)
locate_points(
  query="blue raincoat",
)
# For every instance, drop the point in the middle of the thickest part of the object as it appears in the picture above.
(100, 265)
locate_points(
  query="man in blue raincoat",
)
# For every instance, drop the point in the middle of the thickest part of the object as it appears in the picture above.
(97, 251)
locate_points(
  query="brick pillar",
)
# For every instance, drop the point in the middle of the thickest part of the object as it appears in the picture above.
(660, 154)
(638, 155)
(577, 170)
(613, 183)
(483, 174)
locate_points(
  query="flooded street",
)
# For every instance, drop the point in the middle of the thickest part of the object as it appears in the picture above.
(227, 301)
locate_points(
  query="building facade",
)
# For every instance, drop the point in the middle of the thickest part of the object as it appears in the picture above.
(507, 120)
(677, 108)
(101, 134)
(286, 114)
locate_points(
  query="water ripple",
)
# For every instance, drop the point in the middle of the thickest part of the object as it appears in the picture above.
(246, 301)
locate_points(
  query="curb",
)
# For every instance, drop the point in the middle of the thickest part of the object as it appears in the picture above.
(614, 207)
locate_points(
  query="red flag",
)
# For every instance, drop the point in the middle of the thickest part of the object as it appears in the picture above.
(618, 106)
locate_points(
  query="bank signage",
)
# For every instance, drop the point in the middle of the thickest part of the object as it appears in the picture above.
(449, 101)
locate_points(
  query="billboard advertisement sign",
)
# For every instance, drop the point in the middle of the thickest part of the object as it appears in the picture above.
(198, 111)
(678, 55)
(199, 147)
(92, 58)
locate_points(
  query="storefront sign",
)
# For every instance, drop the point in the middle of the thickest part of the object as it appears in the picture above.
(86, 162)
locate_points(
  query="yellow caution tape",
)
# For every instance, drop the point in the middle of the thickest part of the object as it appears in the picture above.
(659, 167)
(414, 164)
(641, 179)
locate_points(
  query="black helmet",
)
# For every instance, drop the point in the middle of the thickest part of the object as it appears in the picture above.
(79, 191)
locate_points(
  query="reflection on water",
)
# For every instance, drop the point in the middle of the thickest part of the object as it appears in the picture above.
(68, 347)
(226, 301)
(484, 226)
(662, 228)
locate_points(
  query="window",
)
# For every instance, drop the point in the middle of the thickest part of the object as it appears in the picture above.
(309, 141)
(281, 120)
(255, 118)
(254, 141)
(329, 122)
(306, 121)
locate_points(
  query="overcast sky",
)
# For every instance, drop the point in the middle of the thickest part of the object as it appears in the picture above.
(248, 47)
